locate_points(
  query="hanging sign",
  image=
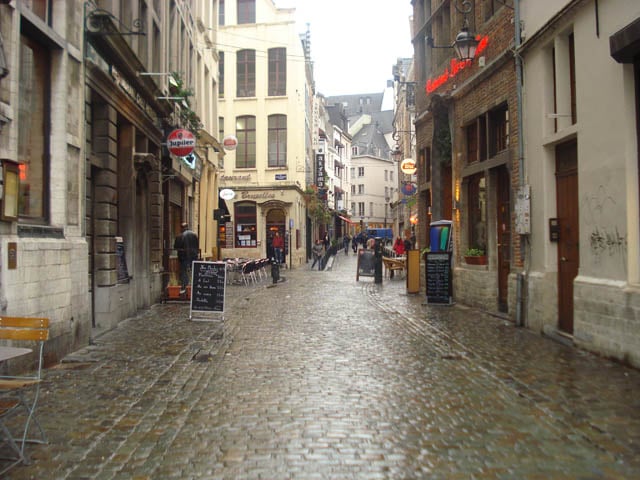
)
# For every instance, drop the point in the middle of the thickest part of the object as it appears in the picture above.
(181, 142)
(227, 194)
(409, 188)
(229, 142)
(408, 166)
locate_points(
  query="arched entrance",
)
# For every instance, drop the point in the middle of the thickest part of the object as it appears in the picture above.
(276, 221)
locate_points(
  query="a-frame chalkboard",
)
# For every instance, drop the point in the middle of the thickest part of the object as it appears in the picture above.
(438, 278)
(208, 280)
(366, 263)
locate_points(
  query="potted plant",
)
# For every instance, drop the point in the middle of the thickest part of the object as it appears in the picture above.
(475, 256)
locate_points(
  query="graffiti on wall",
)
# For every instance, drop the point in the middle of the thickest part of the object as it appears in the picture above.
(605, 237)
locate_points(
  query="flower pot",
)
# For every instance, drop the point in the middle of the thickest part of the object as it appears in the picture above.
(173, 292)
(476, 260)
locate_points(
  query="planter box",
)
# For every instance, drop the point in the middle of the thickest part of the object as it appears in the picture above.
(476, 260)
(173, 293)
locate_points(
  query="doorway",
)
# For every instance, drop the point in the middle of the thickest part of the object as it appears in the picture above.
(568, 241)
(503, 236)
(276, 222)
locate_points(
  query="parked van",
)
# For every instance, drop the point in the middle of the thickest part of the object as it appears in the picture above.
(384, 233)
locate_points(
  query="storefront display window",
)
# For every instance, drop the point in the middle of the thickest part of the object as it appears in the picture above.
(477, 197)
(245, 225)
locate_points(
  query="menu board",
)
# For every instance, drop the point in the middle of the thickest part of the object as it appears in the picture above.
(438, 277)
(366, 263)
(121, 262)
(228, 237)
(207, 286)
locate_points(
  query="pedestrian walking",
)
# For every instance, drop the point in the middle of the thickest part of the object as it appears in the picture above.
(317, 252)
(354, 243)
(186, 244)
(326, 241)
(278, 247)
(345, 243)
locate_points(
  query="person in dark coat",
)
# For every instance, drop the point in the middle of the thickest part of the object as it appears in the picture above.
(186, 244)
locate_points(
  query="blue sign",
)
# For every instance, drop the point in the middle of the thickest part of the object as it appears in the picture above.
(281, 176)
(409, 188)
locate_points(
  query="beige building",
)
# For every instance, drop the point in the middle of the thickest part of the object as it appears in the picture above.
(582, 91)
(263, 103)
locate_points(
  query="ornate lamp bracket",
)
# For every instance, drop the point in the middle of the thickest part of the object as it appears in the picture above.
(98, 21)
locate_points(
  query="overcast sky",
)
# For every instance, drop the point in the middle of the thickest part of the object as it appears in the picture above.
(354, 43)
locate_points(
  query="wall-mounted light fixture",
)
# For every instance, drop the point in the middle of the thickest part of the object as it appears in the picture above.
(465, 43)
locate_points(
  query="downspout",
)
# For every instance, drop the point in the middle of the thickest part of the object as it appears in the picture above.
(522, 276)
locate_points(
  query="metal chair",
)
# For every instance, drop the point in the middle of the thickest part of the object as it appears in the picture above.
(19, 393)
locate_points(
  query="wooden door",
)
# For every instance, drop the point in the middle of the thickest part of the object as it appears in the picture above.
(568, 242)
(503, 237)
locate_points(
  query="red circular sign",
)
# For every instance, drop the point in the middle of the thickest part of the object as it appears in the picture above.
(181, 142)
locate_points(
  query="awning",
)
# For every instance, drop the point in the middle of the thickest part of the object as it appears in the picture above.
(345, 219)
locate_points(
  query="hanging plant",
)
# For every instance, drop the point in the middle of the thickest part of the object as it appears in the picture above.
(188, 118)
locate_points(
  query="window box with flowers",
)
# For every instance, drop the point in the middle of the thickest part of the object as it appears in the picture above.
(475, 256)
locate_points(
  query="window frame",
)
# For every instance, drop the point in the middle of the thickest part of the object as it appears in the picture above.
(277, 71)
(245, 224)
(277, 137)
(246, 10)
(246, 135)
(246, 73)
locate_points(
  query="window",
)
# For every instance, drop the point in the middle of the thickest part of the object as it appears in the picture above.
(361, 189)
(42, 9)
(386, 175)
(221, 12)
(472, 142)
(361, 171)
(246, 11)
(425, 161)
(371, 209)
(391, 175)
(354, 150)
(353, 172)
(386, 192)
(277, 71)
(361, 209)
(34, 127)
(246, 135)
(353, 189)
(246, 231)
(498, 130)
(221, 75)
(246, 75)
(477, 197)
(353, 208)
(277, 140)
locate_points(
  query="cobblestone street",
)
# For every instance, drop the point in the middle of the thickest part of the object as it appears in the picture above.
(323, 377)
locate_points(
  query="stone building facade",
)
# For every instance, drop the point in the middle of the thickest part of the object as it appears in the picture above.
(43, 250)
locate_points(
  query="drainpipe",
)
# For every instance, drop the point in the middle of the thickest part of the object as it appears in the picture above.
(522, 276)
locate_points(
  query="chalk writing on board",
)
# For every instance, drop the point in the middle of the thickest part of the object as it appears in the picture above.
(123, 272)
(438, 277)
(207, 286)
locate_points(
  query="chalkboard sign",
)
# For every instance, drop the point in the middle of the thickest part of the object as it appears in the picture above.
(438, 277)
(207, 286)
(121, 262)
(366, 263)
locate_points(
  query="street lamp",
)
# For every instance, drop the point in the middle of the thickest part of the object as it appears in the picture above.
(465, 43)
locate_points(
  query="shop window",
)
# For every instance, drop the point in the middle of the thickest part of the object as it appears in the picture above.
(246, 135)
(477, 202)
(246, 73)
(246, 11)
(472, 143)
(277, 140)
(245, 224)
(277, 71)
(34, 127)
(425, 161)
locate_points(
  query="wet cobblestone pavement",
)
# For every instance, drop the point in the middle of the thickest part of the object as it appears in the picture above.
(323, 377)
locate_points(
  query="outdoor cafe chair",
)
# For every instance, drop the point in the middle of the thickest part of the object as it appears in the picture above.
(19, 393)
